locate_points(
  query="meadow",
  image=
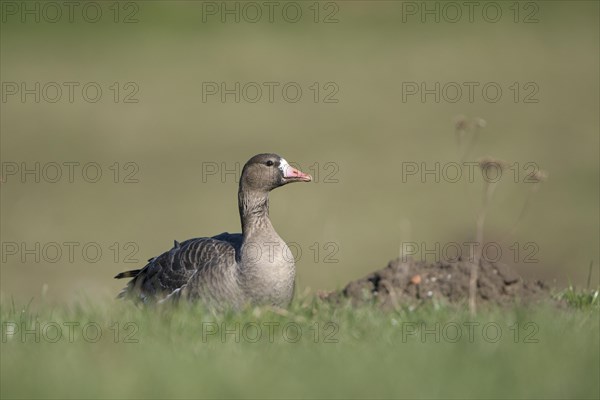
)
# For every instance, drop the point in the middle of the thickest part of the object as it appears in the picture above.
(312, 350)
(125, 130)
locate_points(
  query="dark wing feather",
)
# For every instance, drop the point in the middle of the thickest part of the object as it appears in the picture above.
(172, 269)
(128, 274)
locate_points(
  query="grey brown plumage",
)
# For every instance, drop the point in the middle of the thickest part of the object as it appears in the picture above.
(231, 270)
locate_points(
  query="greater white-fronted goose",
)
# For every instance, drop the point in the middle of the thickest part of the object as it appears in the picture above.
(229, 270)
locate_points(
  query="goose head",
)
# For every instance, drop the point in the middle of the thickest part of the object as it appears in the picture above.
(265, 172)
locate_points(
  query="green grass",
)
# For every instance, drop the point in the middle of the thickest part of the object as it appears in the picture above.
(580, 299)
(341, 353)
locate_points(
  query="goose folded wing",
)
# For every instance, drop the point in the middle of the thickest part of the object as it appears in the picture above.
(173, 269)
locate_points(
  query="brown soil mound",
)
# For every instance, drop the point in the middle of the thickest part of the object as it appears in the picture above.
(410, 283)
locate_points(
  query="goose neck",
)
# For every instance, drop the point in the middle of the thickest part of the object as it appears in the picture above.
(254, 211)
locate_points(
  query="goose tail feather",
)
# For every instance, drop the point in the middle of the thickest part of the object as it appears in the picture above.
(128, 274)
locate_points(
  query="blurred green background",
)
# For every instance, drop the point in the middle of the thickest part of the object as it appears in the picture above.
(170, 133)
(357, 213)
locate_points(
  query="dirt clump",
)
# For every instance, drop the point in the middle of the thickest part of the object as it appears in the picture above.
(411, 283)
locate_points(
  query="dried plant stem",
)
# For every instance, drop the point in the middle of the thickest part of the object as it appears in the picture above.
(589, 280)
(471, 144)
(467, 133)
(476, 257)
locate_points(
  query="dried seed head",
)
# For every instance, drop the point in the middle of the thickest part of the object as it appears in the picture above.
(489, 162)
(480, 122)
(460, 123)
(539, 176)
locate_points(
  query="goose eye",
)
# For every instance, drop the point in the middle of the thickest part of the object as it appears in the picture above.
(269, 163)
